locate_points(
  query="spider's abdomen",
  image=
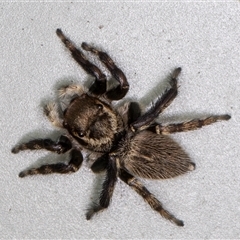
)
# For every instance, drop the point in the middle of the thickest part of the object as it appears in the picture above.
(154, 156)
(92, 122)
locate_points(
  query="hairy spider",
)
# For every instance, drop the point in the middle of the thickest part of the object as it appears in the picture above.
(126, 142)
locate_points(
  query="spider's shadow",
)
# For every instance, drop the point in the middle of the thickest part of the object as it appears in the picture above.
(148, 99)
(156, 92)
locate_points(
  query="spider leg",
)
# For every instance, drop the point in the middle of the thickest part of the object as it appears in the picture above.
(107, 188)
(99, 86)
(121, 90)
(187, 126)
(73, 166)
(100, 164)
(134, 112)
(62, 145)
(168, 96)
(154, 203)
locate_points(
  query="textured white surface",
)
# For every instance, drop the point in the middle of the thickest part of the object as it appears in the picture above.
(147, 40)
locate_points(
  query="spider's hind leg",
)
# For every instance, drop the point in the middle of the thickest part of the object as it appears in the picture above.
(70, 91)
(154, 203)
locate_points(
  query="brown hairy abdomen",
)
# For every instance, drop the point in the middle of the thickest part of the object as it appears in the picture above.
(155, 157)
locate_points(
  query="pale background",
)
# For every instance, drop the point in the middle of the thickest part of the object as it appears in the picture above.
(147, 40)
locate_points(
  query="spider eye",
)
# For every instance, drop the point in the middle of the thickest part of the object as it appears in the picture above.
(81, 134)
(78, 133)
(100, 106)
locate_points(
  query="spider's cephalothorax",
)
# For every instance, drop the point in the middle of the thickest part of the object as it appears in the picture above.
(93, 123)
(126, 142)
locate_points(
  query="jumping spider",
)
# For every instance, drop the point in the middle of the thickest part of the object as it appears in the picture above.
(128, 143)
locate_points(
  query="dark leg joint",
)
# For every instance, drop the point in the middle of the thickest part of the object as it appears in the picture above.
(98, 87)
(120, 91)
(63, 145)
(134, 112)
(100, 164)
(117, 93)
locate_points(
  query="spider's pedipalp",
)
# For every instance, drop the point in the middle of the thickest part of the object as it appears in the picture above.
(70, 90)
(51, 110)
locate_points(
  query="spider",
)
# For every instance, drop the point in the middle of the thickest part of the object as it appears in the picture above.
(125, 142)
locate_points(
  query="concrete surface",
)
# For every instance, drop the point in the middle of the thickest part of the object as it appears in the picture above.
(147, 41)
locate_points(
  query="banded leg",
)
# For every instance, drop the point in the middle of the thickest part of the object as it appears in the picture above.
(107, 189)
(73, 166)
(168, 96)
(99, 86)
(121, 90)
(61, 146)
(187, 126)
(148, 197)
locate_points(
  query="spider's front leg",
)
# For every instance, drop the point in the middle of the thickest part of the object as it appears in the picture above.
(73, 166)
(107, 188)
(168, 96)
(121, 90)
(99, 86)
